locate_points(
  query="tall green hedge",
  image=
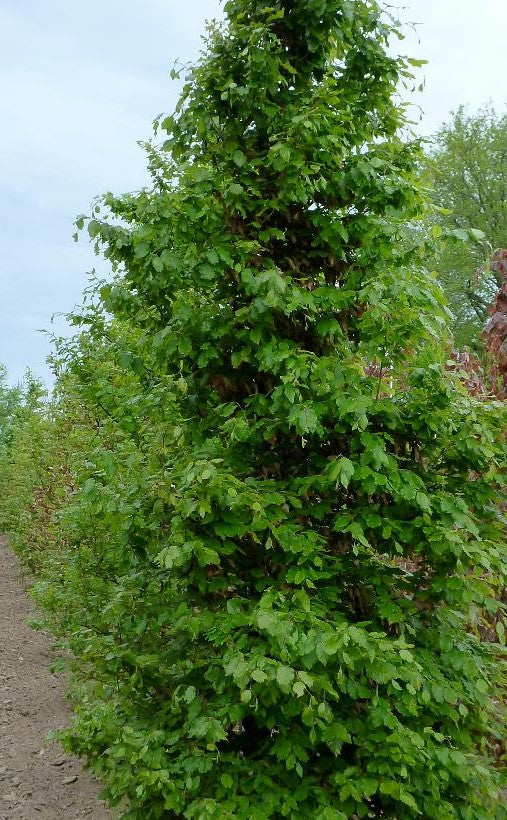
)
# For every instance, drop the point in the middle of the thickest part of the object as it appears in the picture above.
(287, 516)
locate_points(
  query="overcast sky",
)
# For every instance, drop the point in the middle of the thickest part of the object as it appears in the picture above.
(80, 83)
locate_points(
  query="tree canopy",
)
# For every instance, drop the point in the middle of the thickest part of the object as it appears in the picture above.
(468, 172)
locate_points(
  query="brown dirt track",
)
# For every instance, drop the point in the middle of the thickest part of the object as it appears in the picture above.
(37, 779)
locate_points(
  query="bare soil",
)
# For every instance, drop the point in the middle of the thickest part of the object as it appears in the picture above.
(37, 779)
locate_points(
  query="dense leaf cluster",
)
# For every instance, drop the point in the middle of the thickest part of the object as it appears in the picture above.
(286, 520)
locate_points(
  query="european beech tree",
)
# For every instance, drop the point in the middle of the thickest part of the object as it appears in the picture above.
(294, 504)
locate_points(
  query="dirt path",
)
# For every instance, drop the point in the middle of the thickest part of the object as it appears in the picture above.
(37, 780)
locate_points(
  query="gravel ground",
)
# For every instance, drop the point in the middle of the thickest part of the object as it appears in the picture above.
(37, 779)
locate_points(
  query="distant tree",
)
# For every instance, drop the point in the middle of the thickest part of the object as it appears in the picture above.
(468, 172)
(11, 401)
(19, 416)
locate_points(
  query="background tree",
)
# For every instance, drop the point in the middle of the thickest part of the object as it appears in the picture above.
(11, 401)
(25, 430)
(468, 172)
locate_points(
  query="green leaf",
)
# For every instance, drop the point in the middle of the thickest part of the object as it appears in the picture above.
(500, 631)
(342, 471)
(190, 694)
(299, 689)
(206, 556)
(460, 233)
(357, 533)
(477, 235)
(303, 418)
(285, 677)
(226, 781)
(246, 696)
(239, 158)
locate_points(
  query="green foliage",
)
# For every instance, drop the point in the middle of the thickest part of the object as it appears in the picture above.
(11, 402)
(11, 408)
(31, 456)
(468, 171)
(285, 516)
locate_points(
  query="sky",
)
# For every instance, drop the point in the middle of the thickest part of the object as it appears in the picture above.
(80, 85)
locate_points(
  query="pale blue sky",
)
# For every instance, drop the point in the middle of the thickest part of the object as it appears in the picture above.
(80, 83)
